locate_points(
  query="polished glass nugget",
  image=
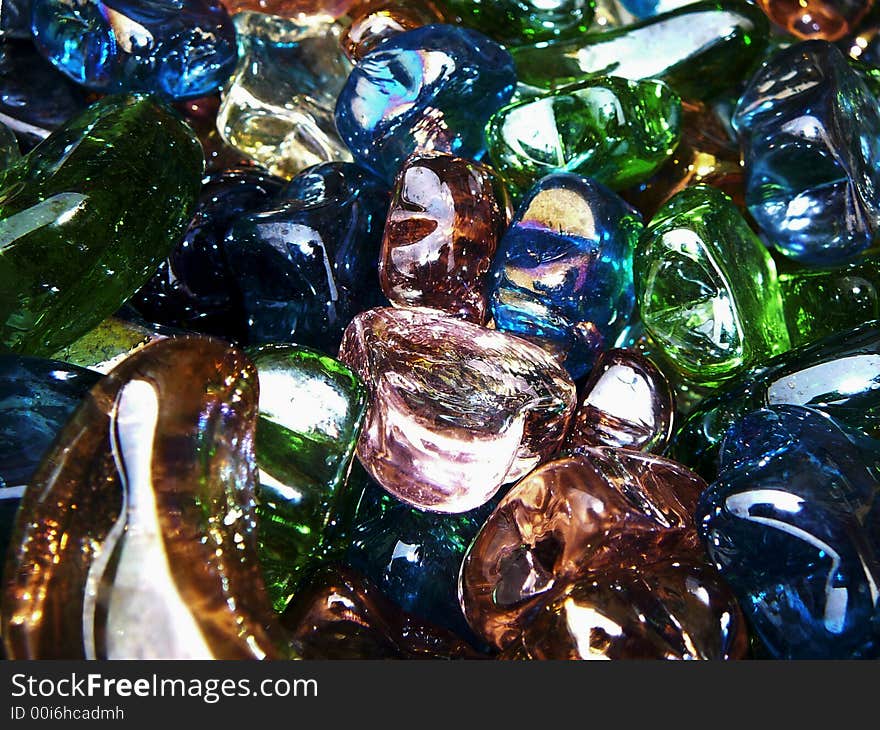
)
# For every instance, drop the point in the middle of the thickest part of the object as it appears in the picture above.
(821, 302)
(793, 523)
(37, 396)
(810, 132)
(138, 539)
(446, 217)
(707, 287)
(277, 107)
(311, 411)
(432, 88)
(35, 98)
(515, 22)
(700, 50)
(563, 276)
(456, 410)
(88, 215)
(180, 49)
(615, 131)
(838, 375)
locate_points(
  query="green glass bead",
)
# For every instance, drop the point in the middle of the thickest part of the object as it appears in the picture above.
(514, 22)
(88, 215)
(707, 287)
(700, 50)
(311, 412)
(820, 302)
(617, 131)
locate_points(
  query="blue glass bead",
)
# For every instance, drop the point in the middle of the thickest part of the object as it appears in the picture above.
(192, 287)
(34, 98)
(793, 524)
(563, 273)
(181, 49)
(36, 398)
(414, 557)
(433, 88)
(303, 268)
(810, 134)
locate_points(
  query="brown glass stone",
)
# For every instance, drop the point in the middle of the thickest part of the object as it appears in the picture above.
(442, 230)
(625, 402)
(342, 615)
(675, 610)
(706, 155)
(136, 536)
(376, 21)
(826, 19)
(602, 507)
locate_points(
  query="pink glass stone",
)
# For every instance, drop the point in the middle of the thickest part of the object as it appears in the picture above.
(456, 410)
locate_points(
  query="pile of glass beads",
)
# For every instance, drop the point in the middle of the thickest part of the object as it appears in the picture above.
(441, 329)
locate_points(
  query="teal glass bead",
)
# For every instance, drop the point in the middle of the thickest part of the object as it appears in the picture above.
(414, 557)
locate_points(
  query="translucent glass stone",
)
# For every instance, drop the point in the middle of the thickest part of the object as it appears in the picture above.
(278, 106)
(707, 287)
(456, 410)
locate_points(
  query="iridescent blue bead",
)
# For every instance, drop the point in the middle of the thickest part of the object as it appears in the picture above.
(810, 133)
(563, 273)
(181, 49)
(414, 557)
(36, 398)
(304, 267)
(433, 88)
(793, 524)
(192, 287)
(35, 99)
